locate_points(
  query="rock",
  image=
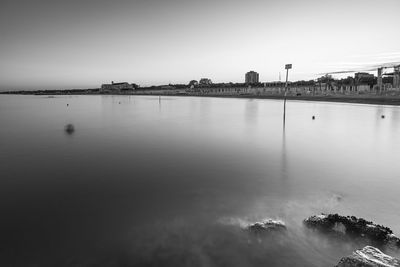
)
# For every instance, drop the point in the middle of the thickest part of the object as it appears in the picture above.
(266, 226)
(353, 226)
(368, 257)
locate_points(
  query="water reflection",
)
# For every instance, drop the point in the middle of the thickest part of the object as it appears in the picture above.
(251, 112)
(145, 182)
(395, 120)
(284, 160)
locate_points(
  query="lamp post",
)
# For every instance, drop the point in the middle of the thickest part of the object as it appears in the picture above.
(287, 67)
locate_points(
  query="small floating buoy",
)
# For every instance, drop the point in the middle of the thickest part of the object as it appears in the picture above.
(383, 116)
(119, 102)
(67, 105)
(69, 128)
(313, 117)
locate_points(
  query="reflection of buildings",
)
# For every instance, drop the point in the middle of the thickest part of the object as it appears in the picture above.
(251, 77)
(116, 87)
(251, 112)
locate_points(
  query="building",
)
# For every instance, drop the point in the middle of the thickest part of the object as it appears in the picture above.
(396, 77)
(116, 87)
(364, 78)
(364, 81)
(167, 87)
(251, 77)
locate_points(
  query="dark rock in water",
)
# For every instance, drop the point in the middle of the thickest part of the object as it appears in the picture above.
(353, 226)
(368, 257)
(266, 226)
(69, 128)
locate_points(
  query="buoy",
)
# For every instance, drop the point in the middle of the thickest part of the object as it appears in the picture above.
(313, 117)
(383, 116)
(67, 105)
(69, 128)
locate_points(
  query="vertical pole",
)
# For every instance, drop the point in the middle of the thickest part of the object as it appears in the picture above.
(284, 101)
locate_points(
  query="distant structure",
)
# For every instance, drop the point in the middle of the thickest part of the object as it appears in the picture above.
(251, 77)
(364, 81)
(396, 77)
(167, 87)
(116, 87)
(364, 77)
(205, 82)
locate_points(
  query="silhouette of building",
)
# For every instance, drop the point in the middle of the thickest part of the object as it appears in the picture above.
(251, 77)
(396, 77)
(364, 78)
(116, 87)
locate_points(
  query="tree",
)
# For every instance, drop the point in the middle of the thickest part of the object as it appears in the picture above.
(193, 83)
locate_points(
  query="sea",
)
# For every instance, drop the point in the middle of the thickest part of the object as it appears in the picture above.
(174, 181)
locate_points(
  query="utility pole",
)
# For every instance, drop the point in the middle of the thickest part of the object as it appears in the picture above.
(287, 67)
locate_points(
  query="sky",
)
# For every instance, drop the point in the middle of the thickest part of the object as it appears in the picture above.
(54, 44)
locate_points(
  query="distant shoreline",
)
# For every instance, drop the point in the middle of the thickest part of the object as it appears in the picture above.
(339, 98)
(374, 100)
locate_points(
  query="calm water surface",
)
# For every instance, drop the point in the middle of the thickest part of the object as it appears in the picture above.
(149, 182)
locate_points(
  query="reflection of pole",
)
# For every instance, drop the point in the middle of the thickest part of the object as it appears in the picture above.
(284, 161)
(284, 109)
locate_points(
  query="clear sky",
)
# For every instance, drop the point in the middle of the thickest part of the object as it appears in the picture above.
(54, 44)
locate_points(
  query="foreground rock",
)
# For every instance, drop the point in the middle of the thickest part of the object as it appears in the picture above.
(266, 226)
(353, 226)
(368, 257)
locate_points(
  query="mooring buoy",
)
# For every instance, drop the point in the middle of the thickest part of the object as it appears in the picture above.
(69, 128)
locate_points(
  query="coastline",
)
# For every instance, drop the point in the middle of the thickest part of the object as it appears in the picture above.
(373, 100)
(338, 98)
